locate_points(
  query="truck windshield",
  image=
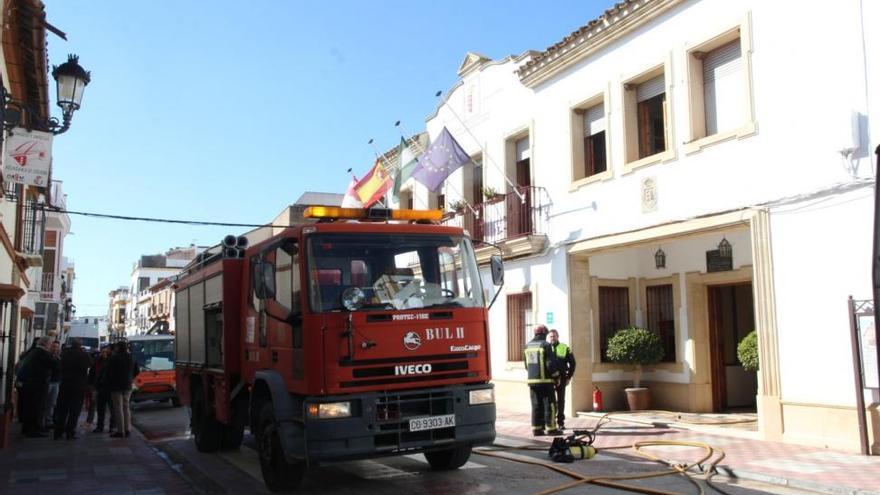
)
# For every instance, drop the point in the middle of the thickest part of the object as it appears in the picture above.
(155, 355)
(394, 271)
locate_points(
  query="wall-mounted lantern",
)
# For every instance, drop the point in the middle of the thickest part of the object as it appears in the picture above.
(660, 259)
(725, 250)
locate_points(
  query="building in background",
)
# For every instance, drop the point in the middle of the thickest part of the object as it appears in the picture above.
(146, 273)
(117, 312)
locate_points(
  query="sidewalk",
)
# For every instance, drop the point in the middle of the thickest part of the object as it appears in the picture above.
(795, 466)
(93, 463)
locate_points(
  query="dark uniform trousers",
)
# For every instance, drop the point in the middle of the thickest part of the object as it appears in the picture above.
(543, 407)
(559, 392)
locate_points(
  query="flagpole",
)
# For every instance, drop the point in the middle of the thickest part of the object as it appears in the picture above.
(515, 187)
(403, 133)
(380, 156)
(419, 151)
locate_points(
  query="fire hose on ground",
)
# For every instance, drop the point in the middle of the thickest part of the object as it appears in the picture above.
(704, 466)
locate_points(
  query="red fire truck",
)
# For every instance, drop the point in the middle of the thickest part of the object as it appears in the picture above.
(357, 334)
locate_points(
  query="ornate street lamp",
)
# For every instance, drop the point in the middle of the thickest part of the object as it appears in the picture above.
(724, 248)
(70, 79)
(660, 259)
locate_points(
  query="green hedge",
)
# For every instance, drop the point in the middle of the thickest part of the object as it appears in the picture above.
(747, 351)
(635, 346)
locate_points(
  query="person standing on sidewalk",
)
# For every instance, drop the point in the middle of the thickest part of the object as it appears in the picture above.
(75, 364)
(565, 359)
(542, 368)
(121, 370)
(54, 384)
(35, 374)
(102, 394)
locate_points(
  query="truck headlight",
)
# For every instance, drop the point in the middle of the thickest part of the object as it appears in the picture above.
(330, 410)
(481, 396)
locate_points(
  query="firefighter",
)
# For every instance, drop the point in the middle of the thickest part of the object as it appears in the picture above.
(565, 360)
(542, 368)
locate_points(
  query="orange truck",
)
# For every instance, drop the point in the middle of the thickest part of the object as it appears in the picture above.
(358, 334)
(155, 357)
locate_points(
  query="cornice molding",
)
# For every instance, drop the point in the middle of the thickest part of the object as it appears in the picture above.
(620, 20)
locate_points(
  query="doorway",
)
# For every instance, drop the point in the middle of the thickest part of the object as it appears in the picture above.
(731, 318)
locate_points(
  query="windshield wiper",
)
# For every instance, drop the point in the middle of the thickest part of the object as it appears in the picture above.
(447, 304)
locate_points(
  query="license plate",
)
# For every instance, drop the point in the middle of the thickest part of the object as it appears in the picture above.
(432, 422)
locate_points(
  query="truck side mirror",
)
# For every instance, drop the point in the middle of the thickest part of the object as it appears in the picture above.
(497, 267)
(264, 280)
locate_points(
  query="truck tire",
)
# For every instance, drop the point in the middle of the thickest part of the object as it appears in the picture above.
(232, 437)
(278, 474)
(448, 459)
(207, 431)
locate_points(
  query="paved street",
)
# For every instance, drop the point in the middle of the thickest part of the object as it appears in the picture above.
(238, 472)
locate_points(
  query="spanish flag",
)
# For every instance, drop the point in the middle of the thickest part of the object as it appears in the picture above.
(374, 185)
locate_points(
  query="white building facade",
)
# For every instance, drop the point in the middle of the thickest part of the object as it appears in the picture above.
(700, 131)
(146, 273)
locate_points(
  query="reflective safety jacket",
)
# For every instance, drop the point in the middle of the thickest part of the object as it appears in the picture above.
(565, 359)
(541, 363)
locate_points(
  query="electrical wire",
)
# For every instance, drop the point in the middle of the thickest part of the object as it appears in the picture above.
(160, 220)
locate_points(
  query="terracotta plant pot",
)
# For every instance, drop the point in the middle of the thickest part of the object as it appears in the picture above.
(638, 399)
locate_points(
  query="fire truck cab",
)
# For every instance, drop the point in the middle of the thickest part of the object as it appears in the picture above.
(361, 334)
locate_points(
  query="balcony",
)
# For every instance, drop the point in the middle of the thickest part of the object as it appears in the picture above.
(47, 286)
(517, 226)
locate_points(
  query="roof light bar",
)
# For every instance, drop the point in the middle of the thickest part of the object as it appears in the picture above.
(335, 212)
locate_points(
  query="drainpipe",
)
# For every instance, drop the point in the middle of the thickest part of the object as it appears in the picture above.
(875, 261)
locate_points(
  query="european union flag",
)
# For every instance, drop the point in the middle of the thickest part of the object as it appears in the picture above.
(442, 157)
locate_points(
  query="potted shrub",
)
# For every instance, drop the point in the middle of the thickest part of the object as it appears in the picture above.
(457, 206)
(490, 194)
(747, 351)
(638, 347)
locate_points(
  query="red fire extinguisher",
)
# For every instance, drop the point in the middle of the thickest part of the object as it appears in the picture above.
(597, 399)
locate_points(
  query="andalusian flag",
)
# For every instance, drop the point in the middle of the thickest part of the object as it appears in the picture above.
(374, 185)
(406, 162)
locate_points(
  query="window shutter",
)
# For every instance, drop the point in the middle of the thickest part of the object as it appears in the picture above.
(722, 88)
(651, 88)
(523, 151)
(594, 120)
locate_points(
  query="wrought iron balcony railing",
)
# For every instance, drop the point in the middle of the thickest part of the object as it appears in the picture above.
(507, 217)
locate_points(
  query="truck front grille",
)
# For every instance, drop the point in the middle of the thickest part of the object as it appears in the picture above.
(393, 412)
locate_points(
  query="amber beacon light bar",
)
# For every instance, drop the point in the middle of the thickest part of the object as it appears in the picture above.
(334, 212)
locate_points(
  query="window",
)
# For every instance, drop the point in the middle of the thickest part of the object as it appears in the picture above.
(594, 140)
(441, 202)
(651, 110)
(723, 94)
(283, 270)
(613, 314)
(718, 92)
(522, 165)
(646, 119)
(519, 324)
(589, 140)
(477, 182)
(143, 283)
(661, 317)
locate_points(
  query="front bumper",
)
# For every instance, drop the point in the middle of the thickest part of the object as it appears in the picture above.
(379, 425)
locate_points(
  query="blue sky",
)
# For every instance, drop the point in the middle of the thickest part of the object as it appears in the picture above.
(227, 111)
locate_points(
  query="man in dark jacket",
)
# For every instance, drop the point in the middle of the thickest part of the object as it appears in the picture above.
(565, 359)
(104, 402)
(75, 364)
(35, 373)
(542, 368)
(121, 370)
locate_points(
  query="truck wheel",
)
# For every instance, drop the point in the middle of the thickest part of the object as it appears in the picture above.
(232, 437)
(448, 459)
(278, 474)
(207, 431)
